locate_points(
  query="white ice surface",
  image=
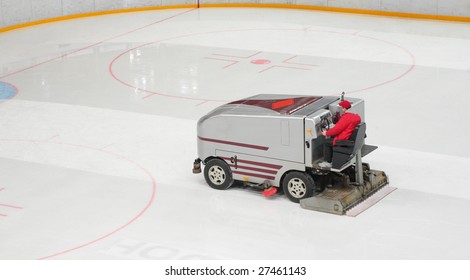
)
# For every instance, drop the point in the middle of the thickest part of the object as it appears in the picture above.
(96, 149)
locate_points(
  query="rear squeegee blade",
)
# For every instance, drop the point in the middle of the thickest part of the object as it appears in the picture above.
(369, 201)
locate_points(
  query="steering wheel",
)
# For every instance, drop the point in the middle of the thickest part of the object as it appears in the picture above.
(325, 123)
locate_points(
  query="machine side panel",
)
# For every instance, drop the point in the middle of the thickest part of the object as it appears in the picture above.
(276, 137)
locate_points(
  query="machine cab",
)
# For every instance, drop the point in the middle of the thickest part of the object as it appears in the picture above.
(324, 118)
(314, 140)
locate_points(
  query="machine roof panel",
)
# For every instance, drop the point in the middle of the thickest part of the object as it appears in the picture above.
(282, 104)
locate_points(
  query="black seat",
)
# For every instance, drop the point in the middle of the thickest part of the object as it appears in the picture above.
(345, 150)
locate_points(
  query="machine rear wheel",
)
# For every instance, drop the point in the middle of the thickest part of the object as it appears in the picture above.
(218, 174)
(298, 185)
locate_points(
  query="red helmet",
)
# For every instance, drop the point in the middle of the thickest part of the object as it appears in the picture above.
(345, 104)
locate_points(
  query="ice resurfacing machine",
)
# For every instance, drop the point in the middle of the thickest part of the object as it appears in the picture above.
(274, 143)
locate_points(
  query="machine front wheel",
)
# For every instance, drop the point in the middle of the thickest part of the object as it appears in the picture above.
(298, 185)
(218, 174)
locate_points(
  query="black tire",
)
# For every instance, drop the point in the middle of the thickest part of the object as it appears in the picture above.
(298, 185)
(218, 174)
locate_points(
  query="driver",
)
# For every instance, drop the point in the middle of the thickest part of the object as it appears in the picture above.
(341, 131)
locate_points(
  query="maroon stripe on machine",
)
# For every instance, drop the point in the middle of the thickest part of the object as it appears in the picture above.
(268, 165)
(257, 163)
(269, 171)
(254, 175)
(234, 143)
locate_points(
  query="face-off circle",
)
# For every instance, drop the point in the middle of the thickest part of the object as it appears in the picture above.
(322, 67)
(90, 205)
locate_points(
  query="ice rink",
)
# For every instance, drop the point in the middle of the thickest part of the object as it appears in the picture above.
(98, 134)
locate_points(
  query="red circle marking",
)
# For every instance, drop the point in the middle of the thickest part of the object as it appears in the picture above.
(151, 92)
(132, 220)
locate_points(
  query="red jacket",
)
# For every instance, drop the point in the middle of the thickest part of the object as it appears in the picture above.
(344, 127)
